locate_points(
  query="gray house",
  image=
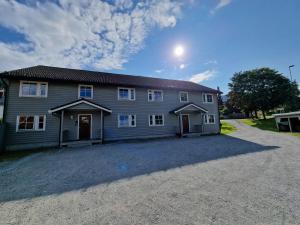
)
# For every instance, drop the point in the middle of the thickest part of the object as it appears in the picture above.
(50, 106)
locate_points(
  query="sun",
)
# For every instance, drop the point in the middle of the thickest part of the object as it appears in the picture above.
(178, 51)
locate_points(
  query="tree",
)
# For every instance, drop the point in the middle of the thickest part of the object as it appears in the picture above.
(260, 89)
(220, 100)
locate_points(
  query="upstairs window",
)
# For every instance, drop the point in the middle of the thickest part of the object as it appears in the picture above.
(155, 95)
(183, 96)
(209, 119)
(85, 91)
(126, 120)
(31, 123)
(156, 120)
(33, 89)
(126, 94)
(207, 98)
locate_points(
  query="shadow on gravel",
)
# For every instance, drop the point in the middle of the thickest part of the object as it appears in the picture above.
(75, 169)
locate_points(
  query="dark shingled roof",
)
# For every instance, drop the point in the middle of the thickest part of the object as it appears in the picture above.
(84, 76)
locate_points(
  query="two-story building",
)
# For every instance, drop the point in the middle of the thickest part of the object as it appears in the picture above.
(50, 106)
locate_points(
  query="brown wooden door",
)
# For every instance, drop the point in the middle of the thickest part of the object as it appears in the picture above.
(185, 123)
(84, 127)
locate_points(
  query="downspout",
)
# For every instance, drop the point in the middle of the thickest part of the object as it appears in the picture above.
(220, 125)
(5, 99)
(59, 136)
(6, 88)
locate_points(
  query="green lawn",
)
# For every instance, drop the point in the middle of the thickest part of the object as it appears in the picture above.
(227, 128)
(268, 124)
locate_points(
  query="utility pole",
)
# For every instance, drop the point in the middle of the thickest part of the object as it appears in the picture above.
(291, 71)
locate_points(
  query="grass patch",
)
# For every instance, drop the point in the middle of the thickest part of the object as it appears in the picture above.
(295, 134)
(14, 155)
(227, 128)
(268, 124)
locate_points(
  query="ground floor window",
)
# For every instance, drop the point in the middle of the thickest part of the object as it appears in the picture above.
(156, 120)
(31, 123)
(209, 119)
(125, 120)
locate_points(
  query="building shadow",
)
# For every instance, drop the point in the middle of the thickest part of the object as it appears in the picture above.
(75, 169)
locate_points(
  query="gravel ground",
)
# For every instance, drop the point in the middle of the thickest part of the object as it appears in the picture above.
(249, 177)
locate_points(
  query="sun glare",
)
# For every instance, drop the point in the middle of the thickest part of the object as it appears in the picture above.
(178, 50)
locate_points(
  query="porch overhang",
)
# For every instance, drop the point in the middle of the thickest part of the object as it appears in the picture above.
(81, 101)
(189, 107)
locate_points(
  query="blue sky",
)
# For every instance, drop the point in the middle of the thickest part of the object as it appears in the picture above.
(219, 37)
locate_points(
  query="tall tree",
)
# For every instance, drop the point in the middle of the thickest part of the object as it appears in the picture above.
(260, 89)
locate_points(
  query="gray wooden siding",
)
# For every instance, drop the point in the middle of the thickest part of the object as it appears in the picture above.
(71, 125)
(61, 93)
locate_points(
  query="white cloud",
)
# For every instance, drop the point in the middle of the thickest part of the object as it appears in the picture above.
(221, 4)
(206, 75)
(159, 71)
(182, 66)
(211, 62)
(80, 33)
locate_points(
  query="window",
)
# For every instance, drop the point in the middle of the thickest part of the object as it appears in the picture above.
(207, 98)
(126, 94)
(156, 120)
(209, 119)
(33, 89)
(31, 123)
(183, 96)
(85, 91)
(155, 95)
(126, 120)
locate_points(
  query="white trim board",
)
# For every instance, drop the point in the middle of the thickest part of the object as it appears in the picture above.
(77, 103)
(198, 107)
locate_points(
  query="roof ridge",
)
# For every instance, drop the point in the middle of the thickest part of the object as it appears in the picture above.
(89, 76)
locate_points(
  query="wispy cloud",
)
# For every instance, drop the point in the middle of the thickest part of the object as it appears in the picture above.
(221, 4)
(211, 62)
(159, 71)
(70, 33)
(206, 75)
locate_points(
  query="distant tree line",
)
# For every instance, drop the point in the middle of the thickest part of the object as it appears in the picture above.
(262, 90)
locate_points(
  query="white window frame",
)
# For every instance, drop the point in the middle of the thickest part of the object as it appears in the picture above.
(129, 94)
(152, 92)
(187, 96)
(153, 119)
(206, 118)
(35, 123)
(129, 120)
(38, 89)
(204, 98)
(86, 85)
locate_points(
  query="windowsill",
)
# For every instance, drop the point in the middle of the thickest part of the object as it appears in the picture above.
(84, 98)
(25, 131)
(32, 96)
(127, 100)
(126, 126)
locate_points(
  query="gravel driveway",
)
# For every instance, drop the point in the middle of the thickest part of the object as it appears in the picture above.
(249, 177)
